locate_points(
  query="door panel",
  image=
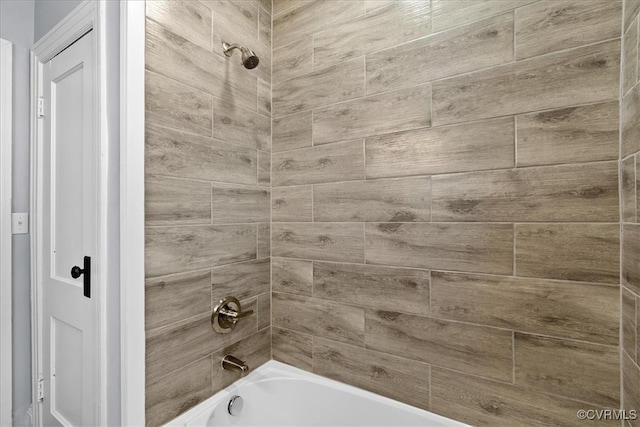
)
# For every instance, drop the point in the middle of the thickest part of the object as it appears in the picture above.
(66, 182)
(66, 372)
(70, 178)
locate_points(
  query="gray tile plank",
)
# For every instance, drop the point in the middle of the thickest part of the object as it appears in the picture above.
(293, 60)
(264, 98)
(550, 81)
(392, 200)
(173, 201)
(239, 204)
(447, 14)
(170, 152)
(329, 163)
(242, 280)
(293, 276)
(631, 384)
(630, 194)
(569, 135)
(481, 248)
(576, 310)
(176, 105)
(169, 299)
(631, 257)
(292, 131)
(240, 126)
(318, 317)
(577, 193)
(480, 402)
(468, 348)
(320, 241)
(631, 122)
(630, 58)
(385, 288)
(471, 146)
(391, 376)
(264, 169)
(483, 44)
(299, 19)
(264, 240)
(395, 111)
(402, 22)
(188, 19)
(264, 310)
(584, 252)
(545, 27)
(292, 348)
(177, 392)
(175, 249)
(325, 86)
(292, 204)
(628, 323)
(577, 370)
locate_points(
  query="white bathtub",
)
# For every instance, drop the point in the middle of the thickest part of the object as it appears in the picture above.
(276, 394)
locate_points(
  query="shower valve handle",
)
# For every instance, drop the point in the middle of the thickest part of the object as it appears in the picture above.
(234, 315)
(227, 314)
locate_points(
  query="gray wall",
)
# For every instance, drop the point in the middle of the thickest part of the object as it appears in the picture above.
(16, 26)
(48, 13)
(113, 213)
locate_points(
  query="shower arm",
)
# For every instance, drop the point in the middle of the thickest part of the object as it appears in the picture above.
(229, 48)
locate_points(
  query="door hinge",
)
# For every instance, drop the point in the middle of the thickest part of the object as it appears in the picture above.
(40, 112)
(40, 390)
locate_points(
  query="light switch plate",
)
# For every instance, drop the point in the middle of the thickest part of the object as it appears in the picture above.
(19, 223)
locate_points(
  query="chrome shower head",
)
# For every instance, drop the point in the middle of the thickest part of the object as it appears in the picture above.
(249, 58)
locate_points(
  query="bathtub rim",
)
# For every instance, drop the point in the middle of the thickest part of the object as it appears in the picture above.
(282, 370)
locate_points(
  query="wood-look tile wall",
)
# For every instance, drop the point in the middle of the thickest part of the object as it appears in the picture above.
(207, 201)
(446, 207)
(630, 200)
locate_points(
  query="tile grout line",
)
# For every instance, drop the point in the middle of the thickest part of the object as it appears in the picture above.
(364, 162)
(515, 141)
(211, 184)
(513, 51)
(313, 214)
(637, 62)
(514, 250)
(513, 356)
(430, 198)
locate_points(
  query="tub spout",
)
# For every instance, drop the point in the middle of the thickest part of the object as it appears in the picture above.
(231, 363)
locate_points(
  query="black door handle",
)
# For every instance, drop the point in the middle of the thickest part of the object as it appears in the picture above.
(86, 271)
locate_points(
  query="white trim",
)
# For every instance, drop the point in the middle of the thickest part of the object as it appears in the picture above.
(6, 140)
(132, 335)
(35, 180)
(89, 15)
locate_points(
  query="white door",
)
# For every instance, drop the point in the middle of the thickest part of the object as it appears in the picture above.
(69, 236)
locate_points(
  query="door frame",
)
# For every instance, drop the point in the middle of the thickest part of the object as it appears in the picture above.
(6, 141)
(89, 15)
(132, 132)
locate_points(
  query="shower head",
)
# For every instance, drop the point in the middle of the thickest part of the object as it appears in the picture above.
(249, 58)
